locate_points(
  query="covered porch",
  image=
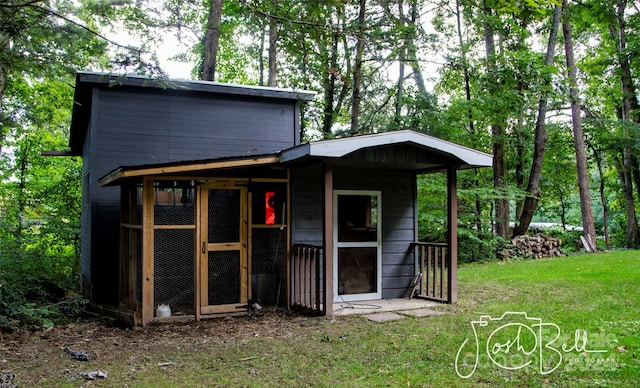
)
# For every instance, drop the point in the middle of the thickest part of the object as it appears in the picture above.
(384, 167)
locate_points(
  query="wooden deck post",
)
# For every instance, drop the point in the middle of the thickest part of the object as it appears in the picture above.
(452, 235)
(148, 202)
(328, 239)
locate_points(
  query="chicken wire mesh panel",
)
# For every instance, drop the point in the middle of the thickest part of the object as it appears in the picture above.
(224, 215)
(224, 277)
(173, 266)
(268, 266)
(173, 206)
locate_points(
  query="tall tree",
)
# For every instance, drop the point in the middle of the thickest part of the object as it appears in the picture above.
(211, 40)
(588, 225)
(630, 114)
(497, 130)
(273, 39)
(357, 69)
(540, 136)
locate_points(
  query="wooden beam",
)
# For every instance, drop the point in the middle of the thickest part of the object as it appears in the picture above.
(328, 239)
(203, 251)
(124, 240)
(244, 265)
(452, 235)
(116, 175)
(132, 251)
(200, 219)
(148, 203)
(287, 256)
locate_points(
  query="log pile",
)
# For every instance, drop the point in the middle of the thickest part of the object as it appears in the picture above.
(537, 246)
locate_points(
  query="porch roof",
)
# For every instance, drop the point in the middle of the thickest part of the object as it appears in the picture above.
(435, 154)
(402, 150)
(116, 176)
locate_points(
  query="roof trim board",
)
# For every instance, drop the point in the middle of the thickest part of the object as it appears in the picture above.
(340, 147)
(150, 169)
(193, 85)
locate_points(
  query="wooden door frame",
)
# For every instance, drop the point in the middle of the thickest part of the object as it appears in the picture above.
(202, 262)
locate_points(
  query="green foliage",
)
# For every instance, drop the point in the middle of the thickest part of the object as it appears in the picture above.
(40, 206)
(31, 300)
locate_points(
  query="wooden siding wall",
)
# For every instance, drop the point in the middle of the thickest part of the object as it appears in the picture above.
(152, 128)
(398, 216)
(307, 184)
(134, 128)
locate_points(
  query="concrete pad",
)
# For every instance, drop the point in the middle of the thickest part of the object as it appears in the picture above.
(384, 317)
(420, 313)
(380, 305)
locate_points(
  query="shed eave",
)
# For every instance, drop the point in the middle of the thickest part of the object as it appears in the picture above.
(468, 157)
(98, 78)
(118, 175)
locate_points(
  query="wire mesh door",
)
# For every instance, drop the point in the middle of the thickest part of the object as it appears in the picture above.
(223, 259)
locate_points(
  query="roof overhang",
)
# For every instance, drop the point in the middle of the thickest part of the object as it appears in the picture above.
(121, 174)
(451, 154)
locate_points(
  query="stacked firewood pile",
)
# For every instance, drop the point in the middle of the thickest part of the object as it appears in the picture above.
(537, 246)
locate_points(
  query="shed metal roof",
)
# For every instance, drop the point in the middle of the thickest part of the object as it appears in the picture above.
(87, 77)
(468, 157)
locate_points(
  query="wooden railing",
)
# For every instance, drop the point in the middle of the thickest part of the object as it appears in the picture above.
(433, 266)
(307, 290)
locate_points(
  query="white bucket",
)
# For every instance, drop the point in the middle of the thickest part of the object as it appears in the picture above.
(163, 311)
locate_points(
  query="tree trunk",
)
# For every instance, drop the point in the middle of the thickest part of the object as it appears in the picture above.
(357, 71)
(212, 36)
(261, 57)
(520, 153)
(465, 69)
(5, 46)
(412, 54)
(588, 225)
(497, 134)
(400, 92)
(330, 88)
(540, 139)
(401, 59)
(629, 113)
(603, 197)
(273, 39)
(635, 168)
(470, 123)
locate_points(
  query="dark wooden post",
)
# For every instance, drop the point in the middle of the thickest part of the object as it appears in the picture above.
(452, 235)
(328, 239)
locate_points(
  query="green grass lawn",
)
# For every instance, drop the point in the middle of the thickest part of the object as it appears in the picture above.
(596, 294)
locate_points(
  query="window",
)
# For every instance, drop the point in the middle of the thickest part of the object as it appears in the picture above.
(268, 203)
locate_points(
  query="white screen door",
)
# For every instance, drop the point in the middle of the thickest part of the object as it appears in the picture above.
(357, 266)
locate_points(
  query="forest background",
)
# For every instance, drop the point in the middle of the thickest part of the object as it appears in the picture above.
(548, 87)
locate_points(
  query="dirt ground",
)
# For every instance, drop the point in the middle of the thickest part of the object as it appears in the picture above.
(30, 358)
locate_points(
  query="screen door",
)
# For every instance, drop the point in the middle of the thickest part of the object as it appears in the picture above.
(223, 259)
(357, 246)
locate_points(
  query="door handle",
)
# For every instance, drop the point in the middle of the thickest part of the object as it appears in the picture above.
(204, 247)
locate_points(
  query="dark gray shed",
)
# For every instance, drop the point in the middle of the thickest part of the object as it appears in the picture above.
(220, 206)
